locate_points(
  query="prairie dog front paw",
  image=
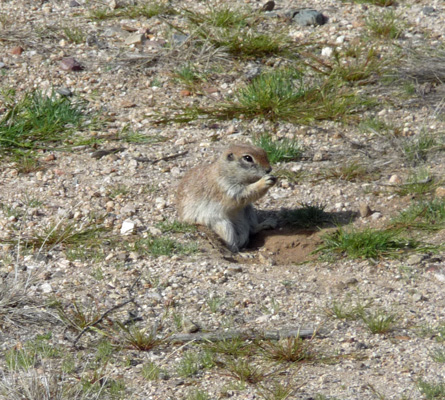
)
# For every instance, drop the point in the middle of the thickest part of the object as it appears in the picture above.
(269, 180)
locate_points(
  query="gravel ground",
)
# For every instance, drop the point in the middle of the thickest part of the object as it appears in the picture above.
(276, 283)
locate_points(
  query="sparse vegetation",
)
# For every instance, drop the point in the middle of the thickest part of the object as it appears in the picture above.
(151, 371)
(143, 339)
(379, 321)
(438, 354)
(418, 149)
(427, 215)
(420, 183)
(142, 10)
(162, 246)
(432, 391)
(293, 349)
(385, 25)
(74, 35)
(279, 150)
(88, 311)
(351, 171)
(38, 121)
(368, 243)
(280, 95)
(245, 371)
(176, 226)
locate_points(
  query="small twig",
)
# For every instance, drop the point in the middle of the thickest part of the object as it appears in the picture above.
(117, 306)
(243, 333)
(144, 159)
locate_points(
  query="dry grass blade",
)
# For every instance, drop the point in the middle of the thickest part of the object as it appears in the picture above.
(17, 307)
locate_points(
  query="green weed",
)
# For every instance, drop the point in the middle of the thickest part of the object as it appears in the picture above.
(220, 17)
(140, 339)
(244, 370)
(432, 391)
(197, 394)
(379, 321)
(236, 347)
(74, 35)
(425, 215)
(385, 25)
(292, 349)
(68, 235)
(162, 246)
(176, 227)
(37, 121)
(369, 243)
(282, 150)
(418, 149)
(420, 182)
(438, 355)
(192, 362)
(279, 95)
(214, 303)
(351, 171)
(189, 76)
(347, 309)
(151, 372)
(143, 10)
(381, 3)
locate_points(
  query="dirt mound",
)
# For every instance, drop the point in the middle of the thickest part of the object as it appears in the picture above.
(288, 246)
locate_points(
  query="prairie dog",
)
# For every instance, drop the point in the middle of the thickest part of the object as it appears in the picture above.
(220, 195)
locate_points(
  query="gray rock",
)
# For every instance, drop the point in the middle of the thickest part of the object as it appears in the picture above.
(70, 64)
(74, 3)
(308, 17)
(128, 227)
(375, 216)
(364, 210)
(253, 72)
(64, 92)
(415, 259)
(135, 38)
(116, 31)
(189, 326)
(428, 10)
(179, 38)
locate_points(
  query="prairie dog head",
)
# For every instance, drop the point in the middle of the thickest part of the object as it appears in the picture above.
(244, 164)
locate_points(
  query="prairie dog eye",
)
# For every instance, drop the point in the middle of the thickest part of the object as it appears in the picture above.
(248, 158)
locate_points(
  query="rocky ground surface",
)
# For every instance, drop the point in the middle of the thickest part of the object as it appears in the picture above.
(126, 77)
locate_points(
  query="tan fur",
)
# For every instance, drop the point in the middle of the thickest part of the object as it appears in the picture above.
(220, 195)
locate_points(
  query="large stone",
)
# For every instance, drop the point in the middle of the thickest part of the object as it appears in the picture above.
(364, 210)
(308, 17)
(128, 227)
(70, 64)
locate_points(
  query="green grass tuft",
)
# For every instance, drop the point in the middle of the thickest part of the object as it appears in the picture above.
(162, 246)
(369, 243)
(37, 121)
(284, 149)
(423, 215)
(385, 25)
(432, 391)
(379, 321)
(279, 95)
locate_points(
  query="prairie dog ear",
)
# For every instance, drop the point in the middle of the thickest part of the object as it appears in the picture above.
(230, 157)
